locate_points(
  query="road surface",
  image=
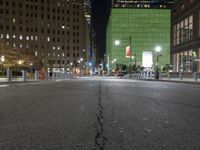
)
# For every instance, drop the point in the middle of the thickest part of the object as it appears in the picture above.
(100, 114)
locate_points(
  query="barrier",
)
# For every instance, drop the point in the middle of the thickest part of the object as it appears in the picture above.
(9, 75)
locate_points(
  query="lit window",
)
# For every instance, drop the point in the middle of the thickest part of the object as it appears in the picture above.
(14, 45)
(14, 20)
(48, 39)
(63, 54)
(7, 36)
(1, 35)
(20, 45)
(20, 37)
(32, 38)
(27, 38)
(36, 53)
(63, 27)
(14, 36)
(58, 47)
(36, 38)
(54, 47)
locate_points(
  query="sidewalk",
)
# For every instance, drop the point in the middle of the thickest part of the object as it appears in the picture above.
(184, 80)
(14, 80)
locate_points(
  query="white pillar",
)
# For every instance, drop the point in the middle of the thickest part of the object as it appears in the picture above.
(9, 75)
(36, 75)
(168, 75)
(181, 75)
(195, 76)
(46, 75)
(23, 75)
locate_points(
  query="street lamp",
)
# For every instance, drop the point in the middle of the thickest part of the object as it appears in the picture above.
(158, 50)
(71, 64)
(117, 42)
(2, 61)
(81, 59)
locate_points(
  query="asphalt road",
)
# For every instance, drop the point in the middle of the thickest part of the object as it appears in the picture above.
(100, 115)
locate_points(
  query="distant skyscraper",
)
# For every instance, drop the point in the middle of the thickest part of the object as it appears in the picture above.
(55, 30)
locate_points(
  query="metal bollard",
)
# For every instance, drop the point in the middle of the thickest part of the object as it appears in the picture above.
(181, 75)
(168, 75)
(195, 76)
(9, 75)
(36, 75)
(23, 75)
(160, 75)
(47, 75)
(53, 75)
(151, 75)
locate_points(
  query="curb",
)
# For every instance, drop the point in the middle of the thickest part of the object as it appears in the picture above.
(175, 81)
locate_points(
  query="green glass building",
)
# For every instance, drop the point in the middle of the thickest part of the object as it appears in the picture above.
(143, 29)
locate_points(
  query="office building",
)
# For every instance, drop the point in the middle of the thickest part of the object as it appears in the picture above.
(185, 36)
(139, 27)
(54, 30)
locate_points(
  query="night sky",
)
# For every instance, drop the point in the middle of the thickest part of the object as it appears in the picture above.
(100, 16)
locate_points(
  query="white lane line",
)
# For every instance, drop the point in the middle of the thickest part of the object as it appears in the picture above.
(3, 85)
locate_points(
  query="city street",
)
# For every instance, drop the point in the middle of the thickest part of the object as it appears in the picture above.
(99, 114)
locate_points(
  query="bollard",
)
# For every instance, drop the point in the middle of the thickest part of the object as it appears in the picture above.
(36, 75)
(160, 75)
(47, 75)
(9, 75)
(195, 76)
(53, 75)
(181, 75)
(168, 75)
(151, 75)
(23, 75)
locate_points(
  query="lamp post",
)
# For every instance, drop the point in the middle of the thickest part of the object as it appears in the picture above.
(118, 42)
(158, 50)
(2, 61)
(71, 64)
(81, 60)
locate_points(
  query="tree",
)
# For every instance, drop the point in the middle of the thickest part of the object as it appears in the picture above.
(16, 57)
(11, 55)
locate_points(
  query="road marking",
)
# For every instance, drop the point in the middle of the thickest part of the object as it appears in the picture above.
(3, 85)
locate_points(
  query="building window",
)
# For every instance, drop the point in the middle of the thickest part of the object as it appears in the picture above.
(21, 37)
(183, 31)
(183, 61)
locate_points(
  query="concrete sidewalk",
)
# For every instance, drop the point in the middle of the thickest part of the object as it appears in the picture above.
(184, 80)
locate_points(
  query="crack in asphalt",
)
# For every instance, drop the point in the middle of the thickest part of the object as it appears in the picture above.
(100, 139)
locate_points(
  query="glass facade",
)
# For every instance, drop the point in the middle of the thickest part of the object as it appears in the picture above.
(186, 61)
(183, 31)
(182, 61)
(143, 29)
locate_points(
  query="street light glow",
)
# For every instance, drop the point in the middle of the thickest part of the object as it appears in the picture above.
(117, 42)
(158, 49)
(81, 59)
